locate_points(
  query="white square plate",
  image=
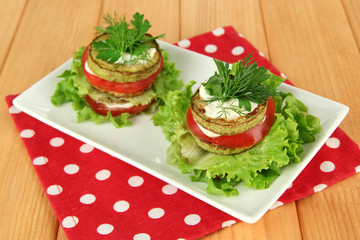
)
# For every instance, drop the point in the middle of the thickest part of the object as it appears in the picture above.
(125, 143)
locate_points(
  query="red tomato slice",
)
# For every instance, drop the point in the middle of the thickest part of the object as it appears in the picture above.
(242, 140)
(126, 87)
(102, 109)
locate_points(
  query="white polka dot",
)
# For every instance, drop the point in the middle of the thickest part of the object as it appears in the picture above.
(87, 198)
(192, 219)
(228, 223)
(241, 35)
(103, 175)
(357, 169)
(210, 48)
(121, 206)
(86, 148)
(283, 75)
(237, 50)
(142, 236)
(276, 204)
(180, 239)
(40, 160)
(27, 133)
(156, 213)
(333, 142)
(184, 43)
(290, 186)
(54, 189)
(262, 54)
(70, 222)
(169, 189)
(218, 32)
(136, 181)
(71, 168)
(14, 110)
(327, 166)
(57, 142)
(105, 229)
(320, 187)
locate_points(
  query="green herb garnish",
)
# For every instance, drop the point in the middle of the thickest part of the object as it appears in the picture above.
(124, 37)
(241, 82)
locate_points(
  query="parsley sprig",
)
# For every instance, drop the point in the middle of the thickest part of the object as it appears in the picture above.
(241, 82)
(124, 37)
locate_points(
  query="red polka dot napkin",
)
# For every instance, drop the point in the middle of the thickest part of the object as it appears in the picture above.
(96, 196)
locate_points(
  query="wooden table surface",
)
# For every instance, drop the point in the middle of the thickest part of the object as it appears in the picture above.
(314, 42)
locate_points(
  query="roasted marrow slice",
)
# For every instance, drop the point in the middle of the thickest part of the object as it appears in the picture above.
(224, 126)
(116, 72)
(229, 136)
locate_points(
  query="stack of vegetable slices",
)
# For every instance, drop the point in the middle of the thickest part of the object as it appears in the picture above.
(256, 167)
(122, 72)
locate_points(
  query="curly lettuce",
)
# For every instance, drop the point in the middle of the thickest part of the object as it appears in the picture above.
(256, 167)
(74, 86)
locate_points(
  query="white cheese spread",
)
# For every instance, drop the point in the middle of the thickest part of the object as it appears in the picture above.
(207, 132)
(213, 109)
(88, 69)
(118, 105)
(128, 57)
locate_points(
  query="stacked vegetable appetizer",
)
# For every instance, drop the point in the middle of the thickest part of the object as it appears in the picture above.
(232, 111)
(236, 128)
(122, 72)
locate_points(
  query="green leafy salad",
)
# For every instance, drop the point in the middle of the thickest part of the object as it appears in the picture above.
(255, 167)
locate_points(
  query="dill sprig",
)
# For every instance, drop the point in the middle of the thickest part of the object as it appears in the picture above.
(224, 110)
(124, 37)
(241, 82)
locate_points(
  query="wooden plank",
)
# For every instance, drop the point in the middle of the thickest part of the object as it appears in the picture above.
(162, 14)
(9, 24)
(61, 234)
(316, 49)
(352, 9)
(204, 16)
(318, 42)
(245, 17)
(332, 213)
(280, 223)
(47, 36)
(44, 45)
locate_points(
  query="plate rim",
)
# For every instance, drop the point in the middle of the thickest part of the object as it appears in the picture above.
(249, 218)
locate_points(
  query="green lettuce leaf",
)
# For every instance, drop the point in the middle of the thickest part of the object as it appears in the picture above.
(74, 86)
(170, 115)
(256, 167)
(273, 81)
